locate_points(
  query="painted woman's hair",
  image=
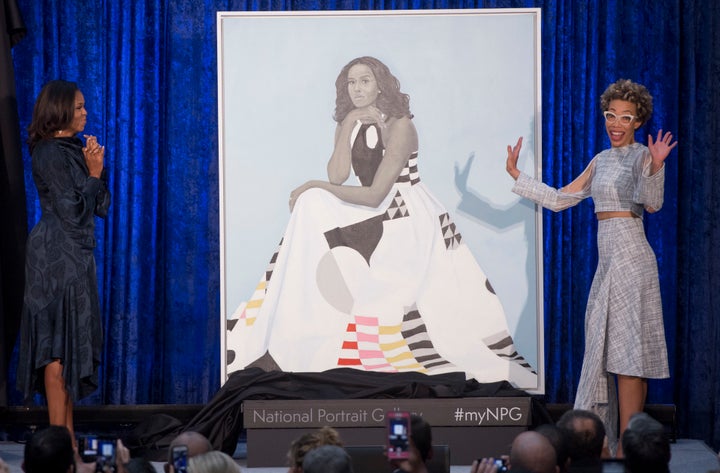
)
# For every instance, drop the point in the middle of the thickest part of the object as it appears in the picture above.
(390, 100)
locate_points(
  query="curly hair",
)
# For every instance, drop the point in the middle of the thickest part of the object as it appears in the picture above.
(625, 89)
(54, 110)
(390, 101)
(303, 444)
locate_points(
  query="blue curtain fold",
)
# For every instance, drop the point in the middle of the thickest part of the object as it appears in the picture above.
(148, 70)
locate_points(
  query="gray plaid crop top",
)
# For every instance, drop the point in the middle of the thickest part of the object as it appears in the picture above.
(617, 179)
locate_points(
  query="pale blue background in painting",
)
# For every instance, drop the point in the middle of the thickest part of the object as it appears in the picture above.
(472, 77)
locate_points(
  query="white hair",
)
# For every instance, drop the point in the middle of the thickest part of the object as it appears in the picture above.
(213, 462)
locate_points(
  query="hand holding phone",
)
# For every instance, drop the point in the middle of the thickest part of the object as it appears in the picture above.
(398, 435)
(106, 461)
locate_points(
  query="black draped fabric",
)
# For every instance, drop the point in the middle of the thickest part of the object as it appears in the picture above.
(221, 419)
(13, 215)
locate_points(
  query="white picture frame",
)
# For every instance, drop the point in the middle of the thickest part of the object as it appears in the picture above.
(473, 77)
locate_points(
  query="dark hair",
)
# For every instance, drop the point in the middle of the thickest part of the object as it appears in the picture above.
(558, 438)
(54, 110)
(49, 451)
(390, 100)
(421, 435)
(327, 459)
(582, 442)
(629, 91)
(645, 445)
(139, 465)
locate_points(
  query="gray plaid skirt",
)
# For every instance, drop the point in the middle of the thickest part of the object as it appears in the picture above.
(624, 331)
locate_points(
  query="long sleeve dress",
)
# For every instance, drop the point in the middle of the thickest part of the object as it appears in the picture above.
(391, 288)
(624, 331)
(61, 313)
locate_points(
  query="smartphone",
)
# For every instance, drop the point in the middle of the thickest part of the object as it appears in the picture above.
(105, 460)
(501, 465)
(180, 458)
(88, 446)
(398, 435)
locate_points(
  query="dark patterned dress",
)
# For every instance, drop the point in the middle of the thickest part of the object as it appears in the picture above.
(61, 313)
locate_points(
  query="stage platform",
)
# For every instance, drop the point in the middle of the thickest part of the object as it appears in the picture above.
(688, 456)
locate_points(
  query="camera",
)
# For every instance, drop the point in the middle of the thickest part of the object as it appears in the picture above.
(88, 447)
(105, 461)
(180, 458)
(398, 435)
(501, 465)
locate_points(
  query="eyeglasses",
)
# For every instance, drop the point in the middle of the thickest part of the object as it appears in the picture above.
(624, 119)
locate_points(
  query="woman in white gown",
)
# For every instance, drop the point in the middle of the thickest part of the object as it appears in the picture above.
(374, 276)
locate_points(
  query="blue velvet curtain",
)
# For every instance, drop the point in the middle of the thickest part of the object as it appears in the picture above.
(148, 72)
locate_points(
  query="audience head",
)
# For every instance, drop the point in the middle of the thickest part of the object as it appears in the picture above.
(421, 437)
(557, 439)
(196, 443)
(303, 444)
(327, 459)
(139, 465)
(213, 462)
(645, 445)
(585, 434)
(49, 451)
(532, 452)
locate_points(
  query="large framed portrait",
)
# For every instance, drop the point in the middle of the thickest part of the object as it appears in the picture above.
(418, 257)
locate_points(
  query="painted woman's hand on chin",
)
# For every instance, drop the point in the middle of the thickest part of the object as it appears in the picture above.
(367, 115)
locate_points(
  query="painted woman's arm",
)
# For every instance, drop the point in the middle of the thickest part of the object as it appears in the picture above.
(338, 168)
(401, 143)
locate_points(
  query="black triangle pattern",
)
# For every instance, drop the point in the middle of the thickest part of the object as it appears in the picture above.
(397, 208)
(450, 234)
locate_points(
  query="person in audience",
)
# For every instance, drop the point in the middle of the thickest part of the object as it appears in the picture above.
(585, 434)
(49, 450)
(327, 459)
(420, 447)
(303, 444)
(213, 462)
(196, 443)
(4, 468)
(530, 452)
(646, 445)
(557, 438)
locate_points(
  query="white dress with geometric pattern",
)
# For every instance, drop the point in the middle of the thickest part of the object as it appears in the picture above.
(391, 289)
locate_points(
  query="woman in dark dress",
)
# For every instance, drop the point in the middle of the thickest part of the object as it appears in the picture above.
(61, 334)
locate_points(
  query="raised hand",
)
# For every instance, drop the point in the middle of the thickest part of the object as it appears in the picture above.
(660, 149)
(512, 159)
